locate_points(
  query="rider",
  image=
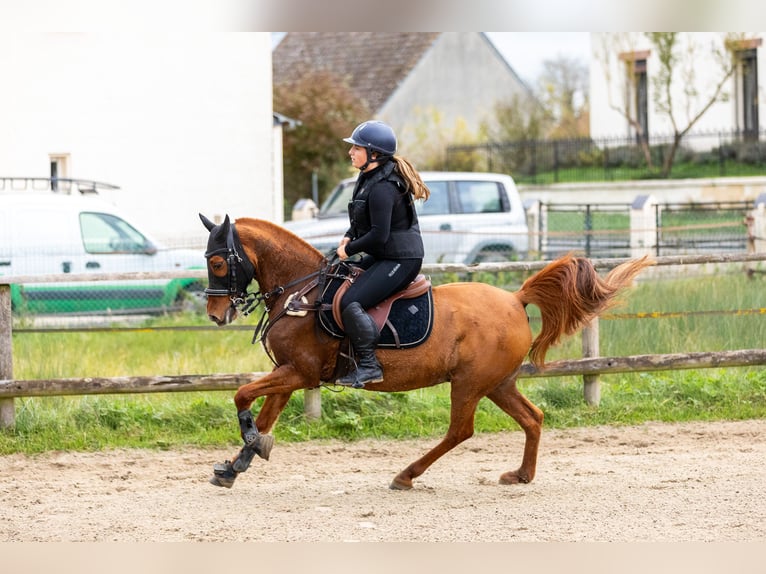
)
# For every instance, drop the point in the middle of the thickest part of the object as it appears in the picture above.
(383, 226)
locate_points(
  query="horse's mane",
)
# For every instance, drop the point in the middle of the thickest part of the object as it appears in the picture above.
(259, 236)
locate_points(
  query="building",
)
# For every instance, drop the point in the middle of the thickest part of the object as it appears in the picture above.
(182, 123)
(624, 68)
(403, 77)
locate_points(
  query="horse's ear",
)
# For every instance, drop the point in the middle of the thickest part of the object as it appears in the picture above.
(223, 231)
(206, 222)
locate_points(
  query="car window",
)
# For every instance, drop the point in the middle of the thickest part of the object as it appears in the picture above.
(337, 203)
(438, 201)
(105, 233)
(478, 196)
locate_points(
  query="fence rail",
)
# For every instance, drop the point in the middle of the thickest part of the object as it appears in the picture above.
(589, 367)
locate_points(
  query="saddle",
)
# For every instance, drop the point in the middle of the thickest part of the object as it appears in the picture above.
(420, 285)
(404, 319)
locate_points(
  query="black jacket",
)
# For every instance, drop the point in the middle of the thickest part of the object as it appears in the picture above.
(383, 219)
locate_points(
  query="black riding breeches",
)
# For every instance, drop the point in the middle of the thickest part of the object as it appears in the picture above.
(381, 279)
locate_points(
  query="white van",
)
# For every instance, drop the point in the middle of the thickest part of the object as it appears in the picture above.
(469, 218)
(63, 227)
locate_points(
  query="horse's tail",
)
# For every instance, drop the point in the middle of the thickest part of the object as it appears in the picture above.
(569, 293)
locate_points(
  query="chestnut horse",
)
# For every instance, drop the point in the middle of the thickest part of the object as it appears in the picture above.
(480, 337)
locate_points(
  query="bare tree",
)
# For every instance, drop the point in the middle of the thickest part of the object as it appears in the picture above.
(682, 65)
(328, 111)
(678, 56)
(563, 93)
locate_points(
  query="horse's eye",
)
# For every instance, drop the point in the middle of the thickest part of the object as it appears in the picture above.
(218, 266)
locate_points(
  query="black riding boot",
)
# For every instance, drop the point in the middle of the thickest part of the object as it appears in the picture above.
(363, 334)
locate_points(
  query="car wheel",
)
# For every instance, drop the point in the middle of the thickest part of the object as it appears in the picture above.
(192, 298)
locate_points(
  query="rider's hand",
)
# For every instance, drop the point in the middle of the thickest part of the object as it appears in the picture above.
(341, 251)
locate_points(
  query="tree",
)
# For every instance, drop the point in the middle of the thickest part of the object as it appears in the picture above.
(563, 93)
(328, 112)
(683, 66)
(674, 85)
(427, 138)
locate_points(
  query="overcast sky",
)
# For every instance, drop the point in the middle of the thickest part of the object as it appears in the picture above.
(526, 51)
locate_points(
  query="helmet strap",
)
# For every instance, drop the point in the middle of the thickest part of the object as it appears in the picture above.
(381, 159)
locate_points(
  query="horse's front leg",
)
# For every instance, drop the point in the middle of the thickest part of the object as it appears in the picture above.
(278, 386)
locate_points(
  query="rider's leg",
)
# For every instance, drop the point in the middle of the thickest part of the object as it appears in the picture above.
(363, 334)
(381, 279)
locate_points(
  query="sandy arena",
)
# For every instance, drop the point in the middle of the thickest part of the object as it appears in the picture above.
(653, 482)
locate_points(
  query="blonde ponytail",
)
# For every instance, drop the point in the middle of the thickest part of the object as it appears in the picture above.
(415, 184)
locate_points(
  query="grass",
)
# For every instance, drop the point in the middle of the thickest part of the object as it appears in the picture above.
(175, 420)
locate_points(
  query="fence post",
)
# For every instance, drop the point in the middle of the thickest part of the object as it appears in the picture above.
(312, 403)
(643, 226)
(7, 408)
(591, 384)
(757, 231)
(532, 209)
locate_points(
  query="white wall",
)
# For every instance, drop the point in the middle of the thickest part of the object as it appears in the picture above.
(605, 122)
(181, 122)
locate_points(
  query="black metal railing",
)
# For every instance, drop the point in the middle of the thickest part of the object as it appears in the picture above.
(711, 154)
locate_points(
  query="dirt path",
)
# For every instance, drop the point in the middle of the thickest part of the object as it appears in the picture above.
(654, 482)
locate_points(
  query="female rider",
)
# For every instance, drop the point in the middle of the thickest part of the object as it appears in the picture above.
(384, 227)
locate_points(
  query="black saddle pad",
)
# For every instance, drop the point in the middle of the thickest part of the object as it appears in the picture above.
(412, 319)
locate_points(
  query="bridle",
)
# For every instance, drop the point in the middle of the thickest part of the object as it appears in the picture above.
(237, 283)
(241, 273)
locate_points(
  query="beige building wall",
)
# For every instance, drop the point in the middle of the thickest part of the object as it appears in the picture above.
(701, 72)
(462, 76)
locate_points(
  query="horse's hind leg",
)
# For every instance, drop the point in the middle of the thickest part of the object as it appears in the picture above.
(530, 419)
(460, 429)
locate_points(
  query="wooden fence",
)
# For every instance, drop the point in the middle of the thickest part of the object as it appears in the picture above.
(590, 366)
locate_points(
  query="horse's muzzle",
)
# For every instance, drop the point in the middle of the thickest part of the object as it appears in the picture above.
(228, 316)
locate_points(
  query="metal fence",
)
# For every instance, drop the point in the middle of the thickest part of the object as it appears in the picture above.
(595, 230)
(604, 230)
(702, 154)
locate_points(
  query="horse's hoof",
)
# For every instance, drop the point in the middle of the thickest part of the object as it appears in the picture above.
(399, 484)
(219, 481)
(264, 445)
(223, 475)
(513, 478)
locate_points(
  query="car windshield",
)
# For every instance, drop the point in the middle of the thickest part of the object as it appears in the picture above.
(337, 203)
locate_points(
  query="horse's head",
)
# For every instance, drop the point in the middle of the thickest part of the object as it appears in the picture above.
(229, 271)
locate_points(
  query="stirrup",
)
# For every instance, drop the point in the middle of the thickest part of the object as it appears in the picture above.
(352, 379)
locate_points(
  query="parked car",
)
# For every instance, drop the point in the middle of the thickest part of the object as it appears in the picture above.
(469, 218)
(66, 229)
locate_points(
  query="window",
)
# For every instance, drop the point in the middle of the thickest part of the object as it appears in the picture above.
(748, 90)
(478, 197)
(438, 201)
(59, 168)
(104, 233)
(641, 99)
(637, 93)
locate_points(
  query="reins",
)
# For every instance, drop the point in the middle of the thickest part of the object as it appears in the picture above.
(241, 273)
(294, 306)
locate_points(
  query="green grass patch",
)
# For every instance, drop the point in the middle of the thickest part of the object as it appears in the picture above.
(703, 318)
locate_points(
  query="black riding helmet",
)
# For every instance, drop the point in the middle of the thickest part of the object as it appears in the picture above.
(374, 136)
